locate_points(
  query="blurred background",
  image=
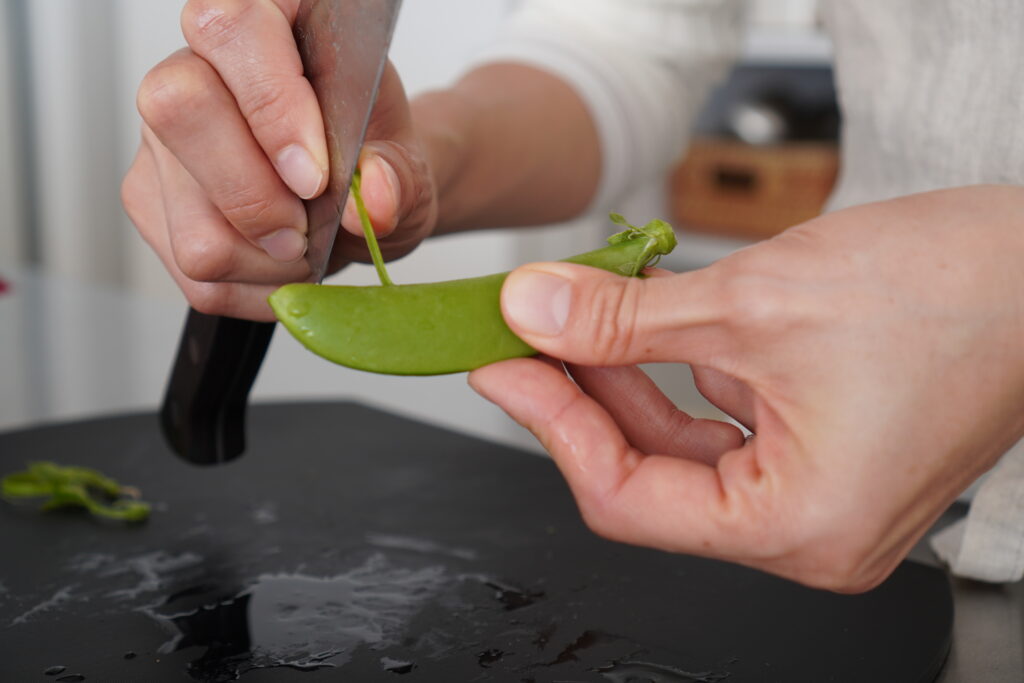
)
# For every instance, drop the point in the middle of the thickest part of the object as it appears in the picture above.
(89, 320)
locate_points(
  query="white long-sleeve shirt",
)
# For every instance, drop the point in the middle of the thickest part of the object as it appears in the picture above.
(932, 91)
(932, 96)
(643, 68)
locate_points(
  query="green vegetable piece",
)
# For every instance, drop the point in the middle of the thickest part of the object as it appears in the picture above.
(75, 487)
(371, 238)
(435, 328)
(440, 327)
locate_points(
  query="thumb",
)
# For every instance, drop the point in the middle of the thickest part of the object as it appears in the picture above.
(380, 191)
(399, 195)
(589, 316)
(398, 183)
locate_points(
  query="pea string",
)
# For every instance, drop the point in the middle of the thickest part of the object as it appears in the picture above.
(371, 238)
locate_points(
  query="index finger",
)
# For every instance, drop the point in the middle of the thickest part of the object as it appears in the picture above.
(251, 46)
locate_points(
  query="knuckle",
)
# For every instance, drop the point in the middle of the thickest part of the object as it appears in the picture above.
(603, 516)
(613, 315)
(753, 301)
(266, 104)
(209, 25)
(170, 89)
(598, 520)
(245, 208)
(211, 299)
(202, 259)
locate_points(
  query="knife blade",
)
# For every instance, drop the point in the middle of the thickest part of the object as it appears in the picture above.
(344, 46)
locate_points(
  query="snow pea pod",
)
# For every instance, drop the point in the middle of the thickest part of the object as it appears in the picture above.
(439, 327)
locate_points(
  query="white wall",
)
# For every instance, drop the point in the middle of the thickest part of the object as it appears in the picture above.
(11, 191)
(72, 57)
(147, 32)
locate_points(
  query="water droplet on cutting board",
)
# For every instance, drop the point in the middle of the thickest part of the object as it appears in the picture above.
(488, 658)
(514, 597)
(397, 666)
(298, 309)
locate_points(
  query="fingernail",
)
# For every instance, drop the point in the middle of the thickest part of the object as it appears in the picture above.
(300, 171)
(538, 302)
(285, 245)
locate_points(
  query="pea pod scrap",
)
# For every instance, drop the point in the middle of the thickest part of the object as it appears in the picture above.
(61, 487)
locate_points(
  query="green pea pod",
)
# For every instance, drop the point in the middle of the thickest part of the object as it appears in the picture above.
(439, 327)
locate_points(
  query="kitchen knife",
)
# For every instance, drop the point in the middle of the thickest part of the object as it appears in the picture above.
(344, 46)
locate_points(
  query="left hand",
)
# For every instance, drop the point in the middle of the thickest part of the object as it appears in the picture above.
(877, 354)
(233, 140)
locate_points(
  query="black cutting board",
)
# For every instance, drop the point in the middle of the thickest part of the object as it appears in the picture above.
(350, 544)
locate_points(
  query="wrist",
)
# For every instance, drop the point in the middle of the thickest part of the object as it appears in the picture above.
(509, 145)
(442, 123)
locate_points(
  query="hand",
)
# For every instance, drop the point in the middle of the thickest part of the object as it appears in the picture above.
(876, 353)
(233, 140)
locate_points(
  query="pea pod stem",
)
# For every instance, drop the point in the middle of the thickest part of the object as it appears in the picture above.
(439, 327)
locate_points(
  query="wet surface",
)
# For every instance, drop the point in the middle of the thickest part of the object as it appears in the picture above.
(294, 620)
(413, 554)
(412, 598)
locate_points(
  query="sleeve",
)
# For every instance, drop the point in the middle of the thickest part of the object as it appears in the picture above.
(642, 67)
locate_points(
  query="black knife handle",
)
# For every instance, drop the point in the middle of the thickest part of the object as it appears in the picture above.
(203, 415)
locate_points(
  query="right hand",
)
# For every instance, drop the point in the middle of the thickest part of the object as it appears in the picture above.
(875, 353)
(233, 140)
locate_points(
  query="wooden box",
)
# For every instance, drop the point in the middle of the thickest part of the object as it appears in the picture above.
(730, 188)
